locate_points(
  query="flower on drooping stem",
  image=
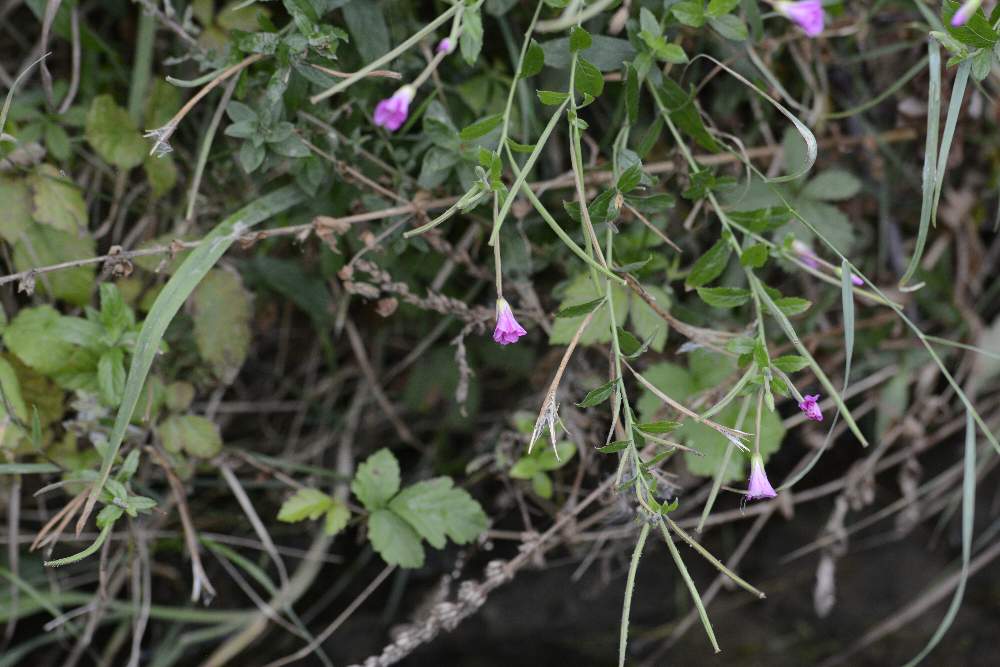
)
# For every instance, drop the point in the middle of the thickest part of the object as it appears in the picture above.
(810, 406)
(805, 253)
(392, 112)
(965, 12)
(808, 14)
(758, 486)
(507, 330)
(445, 46)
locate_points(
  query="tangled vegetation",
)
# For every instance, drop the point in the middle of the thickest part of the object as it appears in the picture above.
(325, 321)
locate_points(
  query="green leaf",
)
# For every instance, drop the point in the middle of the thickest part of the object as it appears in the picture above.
(15, 214)
(755, 256)
(599, 395)
(721, 7)
(525, 467)
(542, 485)
(221, 310)
(481, 127)
(684, 113)
(471, 41)
(630, 178)
(646, 322)
(832, 185)
(730, 27)
(709, 266)
(251, 156)
(792, 305)
(57, 142)
(113, 135)
(11, 386)
(336, 518)
(55, 201)
(367, 26)
(161, 172)
(547, 459)
(790, 363)
(615, 446)
(580, 309)
(377, 480)
(579, 39)
(435, 509)
(111, 376)
(659, 427)
(191, 433)
(977, 31)
(534, 60)
(42, 245)
(551, 98)
(394, 539)
(690, 13)
(627, 343)
(306, 504)
(724, 297)
(34, 336)
(588, 79)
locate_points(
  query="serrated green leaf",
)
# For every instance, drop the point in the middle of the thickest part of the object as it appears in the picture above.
(337, 518)
(435, 509)
(730, 27)
(55, 201)
(394, 539)
(790, 363)
(755, 256)
(306, 504)
(377, 480)
(42, 245)
(111, 376)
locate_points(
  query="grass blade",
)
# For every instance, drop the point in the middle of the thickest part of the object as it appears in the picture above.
(170, 300)
(968, 515)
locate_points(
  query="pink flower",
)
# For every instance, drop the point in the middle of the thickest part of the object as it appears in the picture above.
(444, 46)
(391, 113)
(965, 12)
(508, 330)
(810, 406)
(805, 253)
(758, 486)
(808, 14)
(858, 282)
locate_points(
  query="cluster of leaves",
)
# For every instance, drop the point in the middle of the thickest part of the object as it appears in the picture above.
(397, 520)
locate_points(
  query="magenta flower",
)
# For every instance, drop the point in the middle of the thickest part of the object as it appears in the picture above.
(965, 12)
(858, 282)
(391, 113)
(758, 487)
(808, 14)
(508, 330)
(810, 406)
(444, 46)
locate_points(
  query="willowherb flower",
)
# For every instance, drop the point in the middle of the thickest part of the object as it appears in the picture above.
(444, 46)
(508, 330)
(805, 253)
(808, 14)
(392, 112)
(810, 406)
(965, 12)
(758, 487)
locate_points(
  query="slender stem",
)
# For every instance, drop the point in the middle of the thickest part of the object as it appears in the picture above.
(719, 565)
(702, 614)
(94, 546)
(391, 55)
(629, 587)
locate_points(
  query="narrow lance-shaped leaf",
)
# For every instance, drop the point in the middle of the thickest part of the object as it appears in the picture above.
(169, 302)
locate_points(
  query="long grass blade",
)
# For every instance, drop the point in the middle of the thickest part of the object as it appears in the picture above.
(169, 302)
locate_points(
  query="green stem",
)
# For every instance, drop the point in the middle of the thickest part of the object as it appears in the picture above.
(629, 587)
(702, 614)
(375, 64)
(713, 560)
(143, 66)
(101, 538)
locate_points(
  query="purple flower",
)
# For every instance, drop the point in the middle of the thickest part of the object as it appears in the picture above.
(965, 12)
(758, 486)
(444, 46)
(808, 14)
(805, 253)
(858, 282)
(810, 406)
(391, 113)
(508, 330)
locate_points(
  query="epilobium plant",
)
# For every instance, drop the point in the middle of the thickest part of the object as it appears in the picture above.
(255, 340)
